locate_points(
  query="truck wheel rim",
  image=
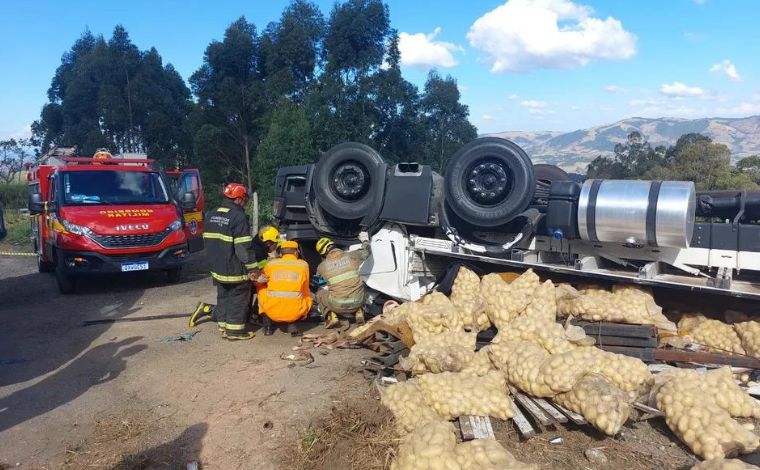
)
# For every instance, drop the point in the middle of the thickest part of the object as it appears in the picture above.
(488, 182)
(350, 181)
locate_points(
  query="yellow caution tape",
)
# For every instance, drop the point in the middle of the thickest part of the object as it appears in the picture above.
(13, 253)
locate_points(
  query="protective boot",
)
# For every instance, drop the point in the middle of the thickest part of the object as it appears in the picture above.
(360, 316)
(294, 330)
(221, 326)
(331, 320)
(237, 335)
(268, 327)
(202, 312)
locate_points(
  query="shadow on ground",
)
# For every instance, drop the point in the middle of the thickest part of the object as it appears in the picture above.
(176, 453)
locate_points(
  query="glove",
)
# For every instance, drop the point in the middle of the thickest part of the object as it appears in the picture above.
(363, 237)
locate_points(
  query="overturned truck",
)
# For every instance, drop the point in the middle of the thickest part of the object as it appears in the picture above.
(494, 207)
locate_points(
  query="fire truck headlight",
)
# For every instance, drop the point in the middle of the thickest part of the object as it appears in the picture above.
(176, 225)
(76, 229)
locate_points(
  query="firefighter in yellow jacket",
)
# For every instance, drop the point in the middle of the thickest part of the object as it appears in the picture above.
(285, 297)
(344, 294)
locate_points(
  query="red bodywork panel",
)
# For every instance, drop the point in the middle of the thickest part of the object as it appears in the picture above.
(108, 222)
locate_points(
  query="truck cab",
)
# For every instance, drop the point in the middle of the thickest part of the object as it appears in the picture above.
(113, 215)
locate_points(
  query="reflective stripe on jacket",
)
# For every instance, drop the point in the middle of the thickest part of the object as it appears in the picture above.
(285, 298)
(340, 269)
(229, 245)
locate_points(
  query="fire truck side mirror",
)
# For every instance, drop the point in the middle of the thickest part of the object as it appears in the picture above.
(36, 205)
(187, 203)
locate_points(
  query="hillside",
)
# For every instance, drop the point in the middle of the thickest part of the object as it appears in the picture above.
(574, 150)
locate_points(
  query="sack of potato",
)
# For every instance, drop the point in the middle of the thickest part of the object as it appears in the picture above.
(465, 295)
(604, 405)
(447, 352)
(716, 335)
(749, 334)
(629, 374)
(408, 406)
(433, 315)
(627, 304)
(550, 335)
(504, 302)
(724, 464)
(692, 412)
(435, 447)
(533, 370)
(543, 305)
(460, 394)
(487, 454)
(481, 363)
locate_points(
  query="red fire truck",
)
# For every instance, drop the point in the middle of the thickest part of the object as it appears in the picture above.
(110, 215)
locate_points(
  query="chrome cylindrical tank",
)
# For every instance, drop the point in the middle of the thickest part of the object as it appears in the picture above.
(654, 213)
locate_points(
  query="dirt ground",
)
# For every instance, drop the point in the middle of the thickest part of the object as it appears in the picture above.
(114, 396)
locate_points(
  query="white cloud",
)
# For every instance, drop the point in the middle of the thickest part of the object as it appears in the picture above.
(606, 108)
(699, 2)
(421, 50)
(523, 35)
(487, 117)
(575, 107)
(533, 104)
(741, 110)
(514, 96)
(614, 89)
(23, 133)
(728, 68)
(679, 89)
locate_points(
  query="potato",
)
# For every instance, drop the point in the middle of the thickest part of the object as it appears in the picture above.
(459, 394)
(692, 411)
(749, 334)
(504, 302)
(446, 352)
(724, 464)
(408, 406)
(604, 405)
(714, 334)
(627, 304)
(466, 297)
(487, 454)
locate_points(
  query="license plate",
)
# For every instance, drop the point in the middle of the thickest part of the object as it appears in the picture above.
(138, 266)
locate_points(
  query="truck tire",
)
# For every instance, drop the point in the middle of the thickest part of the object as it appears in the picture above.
(67, 284)
(44, 266)
(349, 179)
(489, 181)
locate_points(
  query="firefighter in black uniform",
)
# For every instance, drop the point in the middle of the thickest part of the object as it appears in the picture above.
(234, 261)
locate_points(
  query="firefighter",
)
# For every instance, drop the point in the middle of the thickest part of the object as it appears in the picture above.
(234, 262)
(285, 297)
(344, 294)
(268, 241)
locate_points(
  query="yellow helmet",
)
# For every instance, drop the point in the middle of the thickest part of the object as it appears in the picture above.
(269, 234)
(323, 245)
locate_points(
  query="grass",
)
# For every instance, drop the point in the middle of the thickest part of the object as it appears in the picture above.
(19, 229)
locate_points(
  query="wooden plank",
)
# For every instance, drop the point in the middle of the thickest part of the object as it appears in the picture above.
(648, 410)
(534, 410)
(481, 427)
(574, 417)
(465, 426)
(618, 329)
(523, 425)
(548, 408)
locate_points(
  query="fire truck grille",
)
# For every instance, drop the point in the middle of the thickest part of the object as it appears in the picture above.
(129, 241)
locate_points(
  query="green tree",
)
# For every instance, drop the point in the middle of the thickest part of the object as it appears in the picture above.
(750, 166)
(633, 159)
(398, 131)
(288, 141)
(290, 51)
(445, 119)
(230, 102)
(110, 94)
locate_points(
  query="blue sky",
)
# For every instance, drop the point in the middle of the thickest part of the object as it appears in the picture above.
(520, 64)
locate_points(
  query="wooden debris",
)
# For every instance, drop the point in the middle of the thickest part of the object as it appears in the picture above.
(648, 411)
(534, 410)
(476, 427)
(552, 411)
(523, 425)
(574, 417)
(399, 330)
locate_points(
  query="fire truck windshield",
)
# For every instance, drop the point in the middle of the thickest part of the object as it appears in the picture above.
(113, 187)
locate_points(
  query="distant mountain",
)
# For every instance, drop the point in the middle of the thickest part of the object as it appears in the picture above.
(574, 150)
